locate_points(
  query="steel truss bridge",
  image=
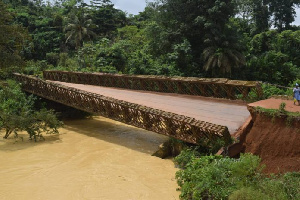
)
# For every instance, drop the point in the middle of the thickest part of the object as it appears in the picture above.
(105, 94)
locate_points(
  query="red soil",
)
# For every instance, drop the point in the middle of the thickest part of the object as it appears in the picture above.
(274, 141)
(277, 144)
(275, 103)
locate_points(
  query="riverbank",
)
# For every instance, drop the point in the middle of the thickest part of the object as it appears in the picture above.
(271, 134)
(90, 159)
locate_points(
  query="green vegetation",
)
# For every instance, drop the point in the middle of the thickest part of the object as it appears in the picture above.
(277, 113)
(12, 38)
(230, 39)
(215, 177)
(273, 90)
(18, 113)
(207, 176)
(245, 40)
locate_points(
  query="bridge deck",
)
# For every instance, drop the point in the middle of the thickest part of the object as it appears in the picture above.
(223, 112)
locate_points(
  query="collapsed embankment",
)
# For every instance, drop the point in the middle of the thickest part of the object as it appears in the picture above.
(275, 139)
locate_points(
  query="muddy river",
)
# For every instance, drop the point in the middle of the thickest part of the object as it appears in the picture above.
(90, 159)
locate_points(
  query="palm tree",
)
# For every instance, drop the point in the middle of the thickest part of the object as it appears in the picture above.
(79, 30)
(220, 60)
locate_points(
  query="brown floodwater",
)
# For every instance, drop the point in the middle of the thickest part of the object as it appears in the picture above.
(90, 159)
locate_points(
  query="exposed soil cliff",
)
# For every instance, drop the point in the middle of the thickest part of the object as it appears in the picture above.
(275, 140)
(277, 143)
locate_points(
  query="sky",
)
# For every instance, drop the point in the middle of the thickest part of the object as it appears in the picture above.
(297, 21)
(130, 6)
(136, 6)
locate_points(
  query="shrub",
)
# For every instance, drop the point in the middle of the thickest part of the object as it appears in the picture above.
(36, 67)
(268, 91)
(215, 177)
(186, 156)
(248, 193)
(17, 113)
(52, 58)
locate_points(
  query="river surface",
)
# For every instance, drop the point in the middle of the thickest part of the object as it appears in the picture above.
(93, 159)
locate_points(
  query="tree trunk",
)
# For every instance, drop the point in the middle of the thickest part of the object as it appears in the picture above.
(8, 132)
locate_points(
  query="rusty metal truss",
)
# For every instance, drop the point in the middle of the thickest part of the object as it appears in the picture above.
(208, 87)
(173, 125)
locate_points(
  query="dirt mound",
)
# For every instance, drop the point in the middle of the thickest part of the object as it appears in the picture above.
(277, 143)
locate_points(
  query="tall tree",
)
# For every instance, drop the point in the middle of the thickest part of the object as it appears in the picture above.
(201, 23)
(274, 57)
(265, 13)
(256, 12)
(79, 29)
(12, 39)
(261, 15)
(284, 13)
(220, 61)
(44, 23)
(106, 17)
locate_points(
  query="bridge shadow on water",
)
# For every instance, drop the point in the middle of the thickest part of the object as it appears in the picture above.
(98, 127)
(117, 133)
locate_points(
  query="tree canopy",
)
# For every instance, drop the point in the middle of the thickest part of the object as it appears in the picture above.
(12, 40)
(247, 39)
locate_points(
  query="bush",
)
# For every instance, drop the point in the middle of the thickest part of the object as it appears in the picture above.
(17, 113)
(36, 67)
(6, 73)
(53, 58)
(67, 63)
(269, 91)
(186, 156)
(248, 193)
(215, 177)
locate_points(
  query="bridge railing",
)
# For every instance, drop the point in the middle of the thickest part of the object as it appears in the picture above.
(166, 123)
(208, 87)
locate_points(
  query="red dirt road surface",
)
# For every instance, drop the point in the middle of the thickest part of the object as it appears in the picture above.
(222, 112)
(275, 103)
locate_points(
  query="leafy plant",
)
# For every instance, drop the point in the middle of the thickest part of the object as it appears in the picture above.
(269, 90)
(275, 113)
(186, 156)
(216, 177)
(17, 113)
(282, 107)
